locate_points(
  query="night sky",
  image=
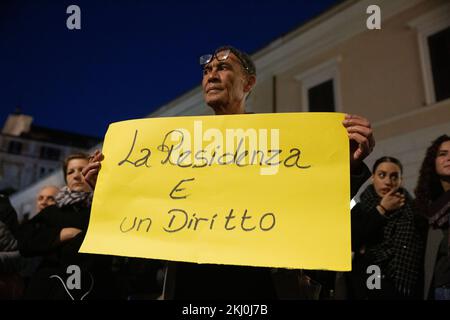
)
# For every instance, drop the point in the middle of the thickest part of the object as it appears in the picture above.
(129, 58)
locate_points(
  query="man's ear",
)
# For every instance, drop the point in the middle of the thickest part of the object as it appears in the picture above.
(251, 81)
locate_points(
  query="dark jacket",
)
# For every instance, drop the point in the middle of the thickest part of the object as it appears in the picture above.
(437, 260)
(39, 237)
(8, 215)
(10, 260)
(393, 242)
(11, 263)
(9, 255)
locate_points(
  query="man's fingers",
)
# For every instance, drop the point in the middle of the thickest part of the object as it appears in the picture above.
(364, 146)
(360, 130)
(355, 120)
(365, 131)
(359, 138)
(361, 133)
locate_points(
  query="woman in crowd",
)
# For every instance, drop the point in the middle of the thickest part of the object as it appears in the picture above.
(433, 200)
(57, 233)
(385, 234)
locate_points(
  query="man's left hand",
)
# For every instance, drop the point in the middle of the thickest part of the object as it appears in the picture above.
(361, 138)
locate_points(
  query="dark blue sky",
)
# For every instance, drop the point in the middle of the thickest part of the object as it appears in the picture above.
(129, 58)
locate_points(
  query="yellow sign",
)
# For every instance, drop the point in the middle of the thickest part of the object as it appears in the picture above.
(267, 190)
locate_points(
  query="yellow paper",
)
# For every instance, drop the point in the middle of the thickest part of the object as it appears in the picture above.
(289, 212)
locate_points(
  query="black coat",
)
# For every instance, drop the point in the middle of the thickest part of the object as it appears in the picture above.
(39, 237)
(8, 215)
(369, 232)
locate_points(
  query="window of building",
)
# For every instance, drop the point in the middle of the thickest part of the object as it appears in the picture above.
(433, 31)
(42, 172)
(439, 47)
(321, 97)
(320, 88)
(49, 153)
(15, 147)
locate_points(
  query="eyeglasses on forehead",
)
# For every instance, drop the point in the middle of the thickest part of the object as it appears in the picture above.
(220, 56)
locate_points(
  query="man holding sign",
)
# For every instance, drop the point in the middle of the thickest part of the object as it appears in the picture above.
(229, 75)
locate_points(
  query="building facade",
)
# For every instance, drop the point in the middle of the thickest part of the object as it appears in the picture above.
(30, 153)
(398, 76)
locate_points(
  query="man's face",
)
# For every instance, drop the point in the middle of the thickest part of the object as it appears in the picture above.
(225, 85)
(46, 198)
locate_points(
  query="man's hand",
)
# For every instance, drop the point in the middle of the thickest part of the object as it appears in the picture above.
(90, 172)
(361, 139)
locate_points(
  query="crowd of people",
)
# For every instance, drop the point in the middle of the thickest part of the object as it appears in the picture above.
(407, 238)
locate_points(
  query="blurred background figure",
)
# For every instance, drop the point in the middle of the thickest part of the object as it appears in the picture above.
(385, 233)
(11, 283)
(46, 197)
(433, 201)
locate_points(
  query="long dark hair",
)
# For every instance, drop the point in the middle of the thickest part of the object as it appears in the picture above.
(429, 186)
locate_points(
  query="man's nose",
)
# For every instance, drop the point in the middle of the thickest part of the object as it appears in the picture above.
(213, 75)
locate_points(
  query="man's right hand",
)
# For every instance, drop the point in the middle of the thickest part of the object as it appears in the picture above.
(90, 172)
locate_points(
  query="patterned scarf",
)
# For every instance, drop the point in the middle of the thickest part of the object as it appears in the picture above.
(400, 252)
(66, 197)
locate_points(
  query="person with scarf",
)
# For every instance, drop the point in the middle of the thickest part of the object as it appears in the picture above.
(385, 234)
(57, 233)
(433, 201)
